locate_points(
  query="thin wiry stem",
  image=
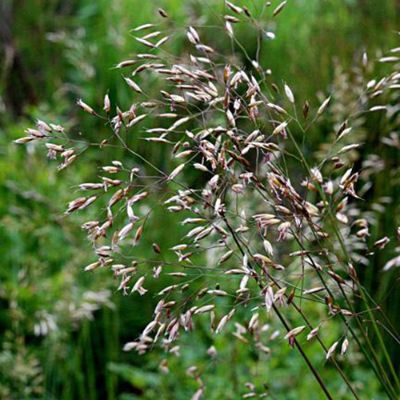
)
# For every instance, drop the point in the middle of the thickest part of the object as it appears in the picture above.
(285, 324)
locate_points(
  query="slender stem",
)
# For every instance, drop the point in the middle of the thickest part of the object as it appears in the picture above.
(285, 324)
(341, 372)
(306, 359)
(371, 316)
(380, 374)
(384, 375)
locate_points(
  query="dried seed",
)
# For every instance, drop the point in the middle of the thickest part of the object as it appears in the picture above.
(323, 106)
(279, 9)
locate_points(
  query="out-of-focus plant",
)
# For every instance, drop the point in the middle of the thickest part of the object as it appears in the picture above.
(42, 308)
(275, 236)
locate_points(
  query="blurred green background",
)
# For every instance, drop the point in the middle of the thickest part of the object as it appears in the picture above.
(62, 331)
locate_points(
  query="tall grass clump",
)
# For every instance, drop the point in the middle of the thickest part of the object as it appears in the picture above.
(274, 232)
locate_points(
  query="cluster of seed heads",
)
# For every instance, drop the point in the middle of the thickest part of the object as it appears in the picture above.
(268, 232)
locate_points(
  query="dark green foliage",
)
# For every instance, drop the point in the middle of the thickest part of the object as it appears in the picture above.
(56, 51)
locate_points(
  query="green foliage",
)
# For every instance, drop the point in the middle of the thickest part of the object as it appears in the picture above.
(62, 330)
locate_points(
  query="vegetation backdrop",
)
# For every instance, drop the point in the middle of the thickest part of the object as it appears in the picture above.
(62, 330)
